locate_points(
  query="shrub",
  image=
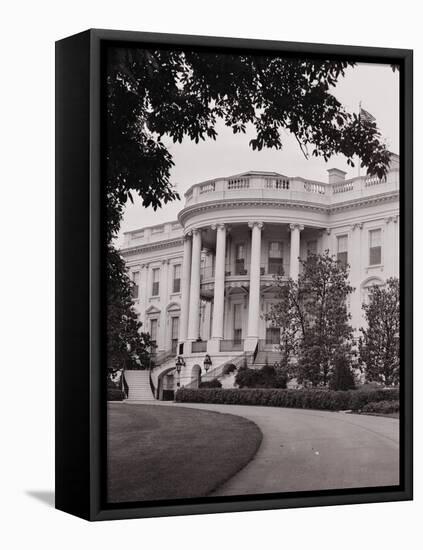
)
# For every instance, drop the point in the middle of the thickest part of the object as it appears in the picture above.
(342, 377)
(266, 377)
(210, 384)
(382, 407)
(114, 394)
(301, 399)
(228, 369)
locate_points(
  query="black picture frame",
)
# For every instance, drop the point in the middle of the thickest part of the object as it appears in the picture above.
(80, 397)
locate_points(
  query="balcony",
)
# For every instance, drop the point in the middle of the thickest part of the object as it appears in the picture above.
(199, 347)
(238, 277)
(231, 345)
(262, 185)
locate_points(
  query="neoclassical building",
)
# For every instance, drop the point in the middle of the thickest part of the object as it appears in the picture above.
(205, 281)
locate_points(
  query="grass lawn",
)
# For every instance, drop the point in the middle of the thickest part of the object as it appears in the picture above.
(163, 452)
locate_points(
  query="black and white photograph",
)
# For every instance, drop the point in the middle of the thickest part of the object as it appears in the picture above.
(252, 273)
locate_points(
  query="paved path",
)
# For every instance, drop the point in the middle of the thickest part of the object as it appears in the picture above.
(312, 450)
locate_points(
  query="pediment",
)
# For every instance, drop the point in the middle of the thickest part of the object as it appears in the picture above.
(152, 309)
(173, 306)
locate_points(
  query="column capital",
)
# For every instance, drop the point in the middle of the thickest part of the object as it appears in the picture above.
(389, 219)
(193, 232)
(357, 226)
(217, 226)
(298, 226)
(260, 225)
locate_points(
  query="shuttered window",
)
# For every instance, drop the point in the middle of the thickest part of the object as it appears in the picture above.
(311, 247)
(156, 282)
(136, 285)
(275, 263)
(240, 259)
(342, 251)
(237, 322)
(375, 247)
(177, 278)
(153, 332)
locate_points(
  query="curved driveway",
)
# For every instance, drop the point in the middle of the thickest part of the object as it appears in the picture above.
(311, 450)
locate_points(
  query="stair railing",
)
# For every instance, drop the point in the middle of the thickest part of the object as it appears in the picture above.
(218, 371)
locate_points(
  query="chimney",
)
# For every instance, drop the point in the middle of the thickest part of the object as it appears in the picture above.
(336, 175)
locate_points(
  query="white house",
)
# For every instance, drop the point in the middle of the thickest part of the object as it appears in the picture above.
(204, 282)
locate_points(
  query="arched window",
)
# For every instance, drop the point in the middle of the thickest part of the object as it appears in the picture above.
(367, 285)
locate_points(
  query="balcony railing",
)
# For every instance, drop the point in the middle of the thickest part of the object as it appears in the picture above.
(266, 269)
(199, 346)
(231, 345)
(277, 186)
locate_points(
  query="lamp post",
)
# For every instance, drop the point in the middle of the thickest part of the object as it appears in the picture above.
(179, 363)
(207, 363)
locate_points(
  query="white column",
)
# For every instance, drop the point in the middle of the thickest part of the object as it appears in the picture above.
(390, 247)
(294, 267)
(164, 302)
(396, 245)
(355, 276)
(186, 281)
(254, 299)
(219, 281)
(142, 296)
(194, 298)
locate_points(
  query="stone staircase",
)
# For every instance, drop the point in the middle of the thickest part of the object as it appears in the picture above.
(139, 385)
(271, 355)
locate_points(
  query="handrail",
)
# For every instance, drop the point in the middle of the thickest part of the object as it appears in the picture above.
(256, 349)
(161, 357)
(218, 371)
(152, 386)
(124, 385)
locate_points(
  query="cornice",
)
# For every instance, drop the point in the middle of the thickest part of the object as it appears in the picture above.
(225, 204)
(152, 246)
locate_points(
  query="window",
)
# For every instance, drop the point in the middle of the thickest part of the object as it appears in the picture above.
(175, 333)
(311, 247)
(177, 278)
(273, 335)
(240, 259)
(153, 332)
(275, 263)
(156, 282)
(237, 323)
(375, 247)
(136, 285)
(342, 242)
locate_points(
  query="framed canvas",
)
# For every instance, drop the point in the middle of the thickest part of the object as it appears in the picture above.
(233, 221)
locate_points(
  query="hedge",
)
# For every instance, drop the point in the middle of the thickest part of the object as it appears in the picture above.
(382, 407)
(300, 399)
(215, 383)
(114, 394)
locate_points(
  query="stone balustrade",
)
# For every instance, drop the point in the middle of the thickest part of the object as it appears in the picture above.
(265, 186)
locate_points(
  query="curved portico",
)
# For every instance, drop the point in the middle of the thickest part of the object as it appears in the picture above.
(216, 264)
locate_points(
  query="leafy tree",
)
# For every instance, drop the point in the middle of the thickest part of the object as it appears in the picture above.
(153, 93)
(379, 344)
(312, 313)
(127, 346)
(284, 314)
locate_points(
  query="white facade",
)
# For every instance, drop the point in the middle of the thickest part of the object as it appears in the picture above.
(205, 281)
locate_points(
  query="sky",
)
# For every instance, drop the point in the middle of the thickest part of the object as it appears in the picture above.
(376, 86)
